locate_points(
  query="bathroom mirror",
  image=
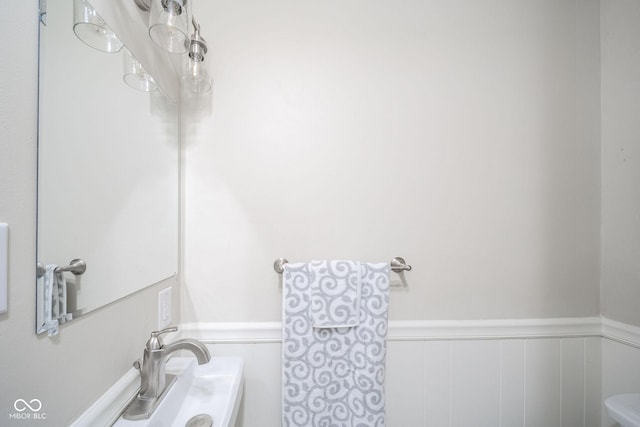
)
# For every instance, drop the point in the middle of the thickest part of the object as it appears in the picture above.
(107, 164)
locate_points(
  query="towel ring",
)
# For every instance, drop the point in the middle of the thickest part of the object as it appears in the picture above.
(398, 265)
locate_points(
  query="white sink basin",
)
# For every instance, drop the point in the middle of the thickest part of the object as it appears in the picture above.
(625, 409)
(214, 389)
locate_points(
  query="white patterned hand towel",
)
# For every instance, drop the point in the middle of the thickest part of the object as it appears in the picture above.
(335, 293)
(51, 300)
(334, 376)
(55, 299)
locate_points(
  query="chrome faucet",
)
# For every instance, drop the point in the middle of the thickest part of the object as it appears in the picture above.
(153, 381)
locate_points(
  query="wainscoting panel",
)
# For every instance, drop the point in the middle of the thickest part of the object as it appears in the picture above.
(469, 383)
(436, 383)
(522, 373)
(475, 383)
(408, 393)
(593, 381)
(449, 375)
(543, 383)
(621, 372)
(511, 382)
(573, 381)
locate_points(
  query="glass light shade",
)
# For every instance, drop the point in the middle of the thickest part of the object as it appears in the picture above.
(196, 79)
(169, 25)
(135, 75)
(92, 30)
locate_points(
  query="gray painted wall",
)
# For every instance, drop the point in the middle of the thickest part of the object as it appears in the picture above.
(66, 373)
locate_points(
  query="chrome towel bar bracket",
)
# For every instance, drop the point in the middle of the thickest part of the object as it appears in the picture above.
(398, 265)
(278, 265)
(76, 266)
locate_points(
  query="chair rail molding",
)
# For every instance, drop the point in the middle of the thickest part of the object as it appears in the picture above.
(620, 332)
(426, 330)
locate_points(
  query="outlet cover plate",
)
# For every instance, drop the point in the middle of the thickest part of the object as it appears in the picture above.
(164, 308)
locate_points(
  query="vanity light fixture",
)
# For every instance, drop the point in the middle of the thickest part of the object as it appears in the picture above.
(168, 27)
(196, 77)
(91, 29)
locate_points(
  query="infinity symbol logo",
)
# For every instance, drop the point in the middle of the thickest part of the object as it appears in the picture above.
(21, 405)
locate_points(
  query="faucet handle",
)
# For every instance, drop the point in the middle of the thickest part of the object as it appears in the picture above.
(164, 331)
(155, 341)
(138, 364)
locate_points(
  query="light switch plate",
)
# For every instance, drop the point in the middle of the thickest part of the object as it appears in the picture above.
(164, 308)
(4, 266)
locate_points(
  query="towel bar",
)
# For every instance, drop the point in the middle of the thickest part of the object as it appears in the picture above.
(398, 265)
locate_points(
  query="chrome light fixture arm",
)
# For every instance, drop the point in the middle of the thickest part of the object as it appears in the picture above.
(198, 46)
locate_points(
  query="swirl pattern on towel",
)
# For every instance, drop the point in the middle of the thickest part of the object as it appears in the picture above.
(334, 377)
(335, 293)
